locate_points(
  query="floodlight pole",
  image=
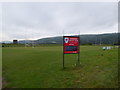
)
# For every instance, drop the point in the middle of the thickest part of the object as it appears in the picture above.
(32, 40)
(33, 44)
(25, 43)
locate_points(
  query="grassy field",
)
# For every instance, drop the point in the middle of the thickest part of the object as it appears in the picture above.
(41, 67)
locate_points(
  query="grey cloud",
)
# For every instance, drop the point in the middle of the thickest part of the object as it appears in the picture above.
(47, 19)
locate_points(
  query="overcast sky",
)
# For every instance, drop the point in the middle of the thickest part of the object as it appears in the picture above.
(38, 20)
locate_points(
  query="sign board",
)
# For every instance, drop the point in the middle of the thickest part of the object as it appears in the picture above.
(71, 45)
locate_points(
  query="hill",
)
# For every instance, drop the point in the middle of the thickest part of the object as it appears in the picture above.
(111, 38)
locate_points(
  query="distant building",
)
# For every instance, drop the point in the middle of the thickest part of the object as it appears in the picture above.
(15, 42)
(53, 42)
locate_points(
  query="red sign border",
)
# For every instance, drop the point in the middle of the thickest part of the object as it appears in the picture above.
(78, 44)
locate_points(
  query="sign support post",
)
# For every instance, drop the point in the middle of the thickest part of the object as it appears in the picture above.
(79, 51)
(63, 52)
(71, 46)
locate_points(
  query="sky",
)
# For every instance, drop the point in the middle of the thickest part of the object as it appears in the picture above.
(35, 20)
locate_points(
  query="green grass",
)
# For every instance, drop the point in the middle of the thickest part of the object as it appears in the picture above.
(41, 67)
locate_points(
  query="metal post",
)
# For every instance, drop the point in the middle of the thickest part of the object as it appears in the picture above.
(63, 49)
(63, 52)
(79, 51)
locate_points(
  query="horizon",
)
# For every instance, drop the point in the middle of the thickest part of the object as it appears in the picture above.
(54, 37)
